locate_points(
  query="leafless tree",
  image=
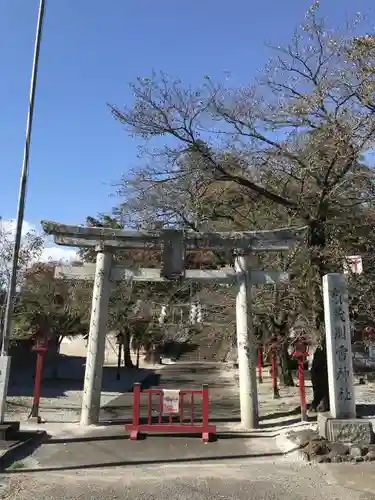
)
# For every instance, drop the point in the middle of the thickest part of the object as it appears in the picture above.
(292, 141)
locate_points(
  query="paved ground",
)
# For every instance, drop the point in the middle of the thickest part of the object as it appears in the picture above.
(61, 401)
(109, 447)
(251, 479)
(223, 394)
(62, 398)
(100, 463)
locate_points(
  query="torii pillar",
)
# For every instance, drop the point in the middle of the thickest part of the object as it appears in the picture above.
(96, 344)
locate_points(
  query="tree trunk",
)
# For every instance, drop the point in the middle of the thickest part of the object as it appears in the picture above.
(148, 349)
(152, 356)
(319, 374)
(119, 353)
(55, 366)
(55, 358)
(319, 380)
(127, 353)
(285, 373)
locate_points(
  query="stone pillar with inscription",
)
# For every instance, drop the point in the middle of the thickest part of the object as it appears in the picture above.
(339, 351)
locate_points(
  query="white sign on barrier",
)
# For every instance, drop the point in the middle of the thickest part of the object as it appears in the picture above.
(171, 401)
(353, 264)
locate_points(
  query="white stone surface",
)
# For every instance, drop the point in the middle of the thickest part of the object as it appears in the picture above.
(4, 382)
(120, 273)
(96, 342)
(339, 351)
(246, 347)
(163, 315)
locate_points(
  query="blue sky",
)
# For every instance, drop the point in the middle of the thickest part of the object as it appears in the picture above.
(91, 49)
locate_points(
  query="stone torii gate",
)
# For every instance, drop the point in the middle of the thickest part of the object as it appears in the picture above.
(173, 244)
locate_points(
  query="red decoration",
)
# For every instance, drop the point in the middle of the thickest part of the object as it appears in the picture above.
(41, 342)
(369, 333)
(301, 348)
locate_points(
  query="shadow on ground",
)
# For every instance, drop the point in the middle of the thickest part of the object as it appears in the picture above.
(365, 410)
(108, 448)
(146, 462)
(22, 445)
(155, 437)
(71, 370)
(174, 349)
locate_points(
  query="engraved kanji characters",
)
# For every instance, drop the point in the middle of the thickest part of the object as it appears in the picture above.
(340, 332)
(341, 353)
(336, 295)
(345, 394)
(342, 374)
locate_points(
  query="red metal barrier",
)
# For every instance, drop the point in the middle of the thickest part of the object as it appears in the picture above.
(166, 411)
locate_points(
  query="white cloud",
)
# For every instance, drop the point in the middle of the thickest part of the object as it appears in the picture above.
(9, 226)
(57, 254)
(50, 251)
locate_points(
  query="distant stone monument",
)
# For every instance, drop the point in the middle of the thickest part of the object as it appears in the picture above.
(339, 349)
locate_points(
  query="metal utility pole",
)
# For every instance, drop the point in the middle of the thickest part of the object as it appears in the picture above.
(8, 316)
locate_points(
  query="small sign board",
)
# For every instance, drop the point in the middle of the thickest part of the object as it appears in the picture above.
(171, 401)
(353, 264)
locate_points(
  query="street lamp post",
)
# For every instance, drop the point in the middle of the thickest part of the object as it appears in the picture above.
(8, 316)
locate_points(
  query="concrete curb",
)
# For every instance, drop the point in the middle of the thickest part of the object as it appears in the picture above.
(22, 449)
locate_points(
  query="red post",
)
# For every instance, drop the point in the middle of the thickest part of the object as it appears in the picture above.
(205, 405)
(38, 384)
(275, 388)
(205, 414)
(134, 434)
(260, 363)
(302, 389)
(301, 353)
